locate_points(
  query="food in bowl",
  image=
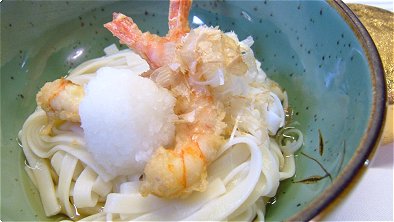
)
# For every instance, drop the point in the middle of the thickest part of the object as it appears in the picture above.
(181, 127)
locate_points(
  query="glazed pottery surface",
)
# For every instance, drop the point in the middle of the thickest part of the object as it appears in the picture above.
(313, 49)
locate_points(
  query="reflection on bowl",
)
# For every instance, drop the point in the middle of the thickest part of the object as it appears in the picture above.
(318, 51)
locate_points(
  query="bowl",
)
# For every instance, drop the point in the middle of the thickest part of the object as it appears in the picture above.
(317, 50)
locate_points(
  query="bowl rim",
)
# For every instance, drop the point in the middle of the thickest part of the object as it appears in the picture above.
(370, 139)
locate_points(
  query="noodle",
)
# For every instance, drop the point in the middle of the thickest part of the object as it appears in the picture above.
(247, 170)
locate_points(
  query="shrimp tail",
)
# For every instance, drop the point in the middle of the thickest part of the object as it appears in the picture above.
(147, 45)
(127, 31)
(124, 28)
(156, 50)
(178, 17)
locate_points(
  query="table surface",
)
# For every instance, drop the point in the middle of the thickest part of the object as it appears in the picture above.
(371, 198)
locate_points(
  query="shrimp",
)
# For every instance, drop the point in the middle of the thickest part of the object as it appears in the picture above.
(176, 171)
(183, 60)
(60, 100)
(156, 50)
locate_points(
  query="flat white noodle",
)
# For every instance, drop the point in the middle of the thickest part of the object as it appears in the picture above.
(248, 167)
(101, 188)
(65, 178)
(44, 182)
(181, 209)
(30, 173)
(111, 49)
(83, 190)
(132, 203)
(291, 146)
(288, 169)
(221, 207)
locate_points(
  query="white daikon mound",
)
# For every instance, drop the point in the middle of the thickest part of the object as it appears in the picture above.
(125, 117)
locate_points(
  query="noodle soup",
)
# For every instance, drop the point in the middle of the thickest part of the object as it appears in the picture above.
(193, 134)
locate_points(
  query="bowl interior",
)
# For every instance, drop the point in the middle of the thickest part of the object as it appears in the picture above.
(306, 46)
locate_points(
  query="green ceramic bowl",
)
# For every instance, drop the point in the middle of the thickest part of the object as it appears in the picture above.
(318, 51)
